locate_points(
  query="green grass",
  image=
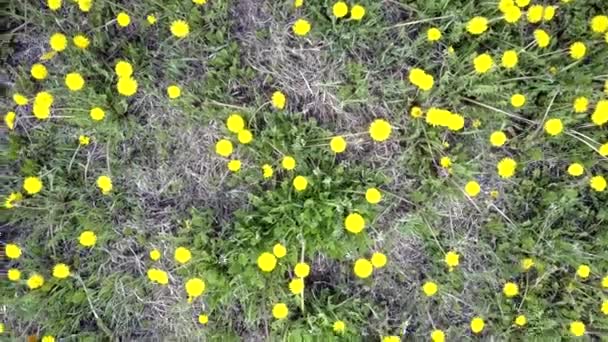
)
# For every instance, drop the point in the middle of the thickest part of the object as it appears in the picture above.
(171, 189)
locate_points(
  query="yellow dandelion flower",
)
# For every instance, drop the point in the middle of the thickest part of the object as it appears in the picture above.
(85, 5)
(245, 136)
(54, 5)
(174, 91)
(580, 104)
(300, 183)
(267, 171)
(340, 9)
(278, 100)
(58, 42)
(416, 112)
(498, 138)
(445, 162)
(577, 328)
(180, 28)
(195, 287)
(578, 50)
(554, 127)
(483, 63)
(339, 327)
(182, 255)
(32, 185)
(437, 336)
(123, 19)
(575, 169)
(81, 41)
(35, 281)
(477, 325)
(279, 250)
(357, 12)
(74, 81)
(521, 320)
(223, 147)
(38, 71)
(301, 27)
(378, 260)
(510, 289)
(380, 130)
(429, 288)
(452, 259)
(354, 223)
(280, 311)
(234, 165)
(599, 24)
(84, 140)
(155, 255)
(433, 34)
(87, 238)
(61, 271)
(373, 196)
(509, 59)
(151, 19)
(535, 14)
(104, 183)
(542, 38)
(12, 251)
(296, 286)
(363, 268)
(472, 188)
(9, 120)
(598, 183)
(477, 25)
(235, 123)
(203, 319)
(13, 274)
(506, 167)
(527, 264)
(267, 262)
(301, 270)
(337, 144)
(97, 114)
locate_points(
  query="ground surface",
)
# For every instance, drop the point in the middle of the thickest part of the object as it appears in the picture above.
(539, 227)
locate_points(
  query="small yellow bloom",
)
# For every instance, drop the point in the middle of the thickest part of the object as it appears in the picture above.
(19, 99)
(477, 325)
(598, 183)
(522, 3)
(509, 59)
(278, 100)
(483, 63)
(604, 307)
(267, 171)
(378, 260)
(421, 79)
(554, 127)
(182, 255)
(527, 264)
(199, 2)
(54, 4)
(245, 136)
(575, 169)
(203, 319)
(288, 163)
(542, 38)
(498, 138)
(180, 28)
(235, 123)
(373, 196)
(104, 183)
(35, 281)
(337, 144)
(477, 25)
(416, 112)
(433, 34)
(12, 251)
(578, 50)
(300, 183)
(600, 114)
(38, 71)
(58, 42)
(123, 19)
(74, 81)
(472, 188)
(535, 14)
(339, 327)
(195, 287)
(437, 336)
(9, 120)
(298, 3)
(301, 27)
(429, 288)
(158, 276)
(577, 328)
(580, 104)
(13, 274)
(340, 9)
(354, 223)
(296, 286)
(279, 250)
(173, 91)
(267, 262)
(512, 14)
(506, 167)
(583, 271)
(81, 41)
(61, 271)
(521, 320)
(88, 238)
(599, 23)
(155, 255)
(32, 185)
(603, 150)
(280, 311)
(85, 5)
(363, 268)
(357, 12)
(445, 162)
(97, 114)
(510, 289)
(84, 140)
(126, 86)
(234, 165)
(452, 259)
(10, 200)
(41, 112)
(301, 270)
(223, 148)
(123, 69)
(548, 13)
(151, 19)
(380, 130)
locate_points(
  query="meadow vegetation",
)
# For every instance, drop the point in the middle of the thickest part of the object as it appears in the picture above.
(305, 170)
